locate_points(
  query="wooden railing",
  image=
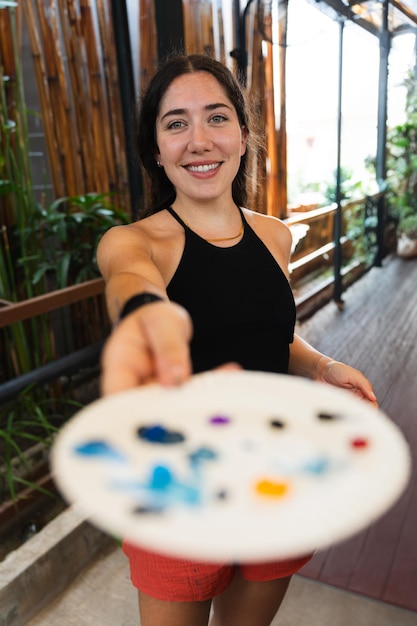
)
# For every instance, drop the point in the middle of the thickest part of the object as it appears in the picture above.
(11, 312)
(314, 250)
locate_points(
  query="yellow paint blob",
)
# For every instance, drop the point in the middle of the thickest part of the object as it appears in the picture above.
(272, 488)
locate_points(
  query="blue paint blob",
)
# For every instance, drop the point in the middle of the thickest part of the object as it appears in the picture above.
(160, 434)
(98, 449)
(161, 478)
(219, 420)
(164, 489)
(202, 454)
(317, 466)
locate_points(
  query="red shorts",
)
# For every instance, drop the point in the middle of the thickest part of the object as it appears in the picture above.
(180, 580)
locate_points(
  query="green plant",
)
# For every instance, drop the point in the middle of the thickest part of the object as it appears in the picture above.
(17, 205)
(69, 230)
(360, 226)
(33, 418)
(408, 226)
(43, 246)
(402, 158)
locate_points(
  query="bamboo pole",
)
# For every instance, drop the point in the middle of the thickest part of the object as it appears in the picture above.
(78, 83)
(219, 45)
(190, 27)
(272, 180)
(198, 26)
(282, 130)
(44, 98)
(148, 42)
(206, 22)
(272, 152)
(255, 88)
(113, 95)
(105, 170)
(6, 44)
(69, 149)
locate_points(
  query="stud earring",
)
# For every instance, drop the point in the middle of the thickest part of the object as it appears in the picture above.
(159, 163)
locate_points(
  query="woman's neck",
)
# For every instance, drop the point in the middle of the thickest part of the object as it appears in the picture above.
(210, 222)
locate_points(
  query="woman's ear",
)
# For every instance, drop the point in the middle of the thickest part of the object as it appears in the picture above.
(244, 140)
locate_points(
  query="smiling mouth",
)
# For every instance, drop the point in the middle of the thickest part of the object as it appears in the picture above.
(202, 168)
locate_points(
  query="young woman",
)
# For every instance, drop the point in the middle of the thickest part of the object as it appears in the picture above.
(200, 282)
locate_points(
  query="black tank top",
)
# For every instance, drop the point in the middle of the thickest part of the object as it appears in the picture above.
(240, 302)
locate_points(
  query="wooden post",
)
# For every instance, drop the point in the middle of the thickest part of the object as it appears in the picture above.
(281, 139)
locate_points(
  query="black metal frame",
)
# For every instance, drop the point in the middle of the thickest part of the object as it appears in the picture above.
(66, 366)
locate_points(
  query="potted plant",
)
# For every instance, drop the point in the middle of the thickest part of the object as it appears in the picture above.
(407, 237)
(402, 173)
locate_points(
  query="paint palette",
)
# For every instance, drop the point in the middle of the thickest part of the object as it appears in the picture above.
(232, 466)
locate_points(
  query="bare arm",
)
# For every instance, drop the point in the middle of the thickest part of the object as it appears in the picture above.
(308, 362)
(125, 261)
(151, 343)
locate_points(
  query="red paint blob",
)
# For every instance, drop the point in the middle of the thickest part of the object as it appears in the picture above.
(359, 443)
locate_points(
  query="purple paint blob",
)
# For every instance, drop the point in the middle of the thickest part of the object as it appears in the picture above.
(219, 420)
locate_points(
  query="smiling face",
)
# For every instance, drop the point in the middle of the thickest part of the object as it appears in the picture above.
(199, 138)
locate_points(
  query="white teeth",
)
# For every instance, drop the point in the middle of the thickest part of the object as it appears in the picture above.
(203, 168)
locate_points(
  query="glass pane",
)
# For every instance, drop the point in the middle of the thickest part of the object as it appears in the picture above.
(312, 79)
(359, 110)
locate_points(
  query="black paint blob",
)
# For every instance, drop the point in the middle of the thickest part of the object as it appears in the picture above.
(277, 423)
(327, 416)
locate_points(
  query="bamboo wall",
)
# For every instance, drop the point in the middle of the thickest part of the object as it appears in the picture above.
(74, 63)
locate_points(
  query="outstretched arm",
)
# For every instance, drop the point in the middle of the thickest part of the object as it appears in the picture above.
(309, 362)
(152, 342)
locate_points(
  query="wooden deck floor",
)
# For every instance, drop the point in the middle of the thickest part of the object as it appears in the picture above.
(377, 333)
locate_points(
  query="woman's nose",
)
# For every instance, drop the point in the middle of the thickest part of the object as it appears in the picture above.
(199, 139)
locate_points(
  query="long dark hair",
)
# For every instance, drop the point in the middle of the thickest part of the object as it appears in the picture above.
(161, 191)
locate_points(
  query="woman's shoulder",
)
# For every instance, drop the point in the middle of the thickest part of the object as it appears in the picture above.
(266, 222)
(146, 230)
(274, 233)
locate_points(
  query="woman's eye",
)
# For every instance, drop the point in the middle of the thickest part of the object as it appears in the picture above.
(176, 124)
(218, 118)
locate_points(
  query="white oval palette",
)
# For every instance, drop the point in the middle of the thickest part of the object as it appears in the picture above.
(232, 466)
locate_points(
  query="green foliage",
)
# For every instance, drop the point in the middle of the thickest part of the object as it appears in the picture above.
(69, 230)
(408, 226)
(349, 187)
(33, 418)
(402, 158)
(43, 247)
(360, 226)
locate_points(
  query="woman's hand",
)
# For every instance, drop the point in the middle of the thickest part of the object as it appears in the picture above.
(346, 377)
(150, 344)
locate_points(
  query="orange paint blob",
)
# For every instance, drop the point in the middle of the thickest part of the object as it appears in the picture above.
(273, 489)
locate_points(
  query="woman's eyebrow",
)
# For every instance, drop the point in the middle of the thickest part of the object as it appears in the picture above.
(208, 107)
